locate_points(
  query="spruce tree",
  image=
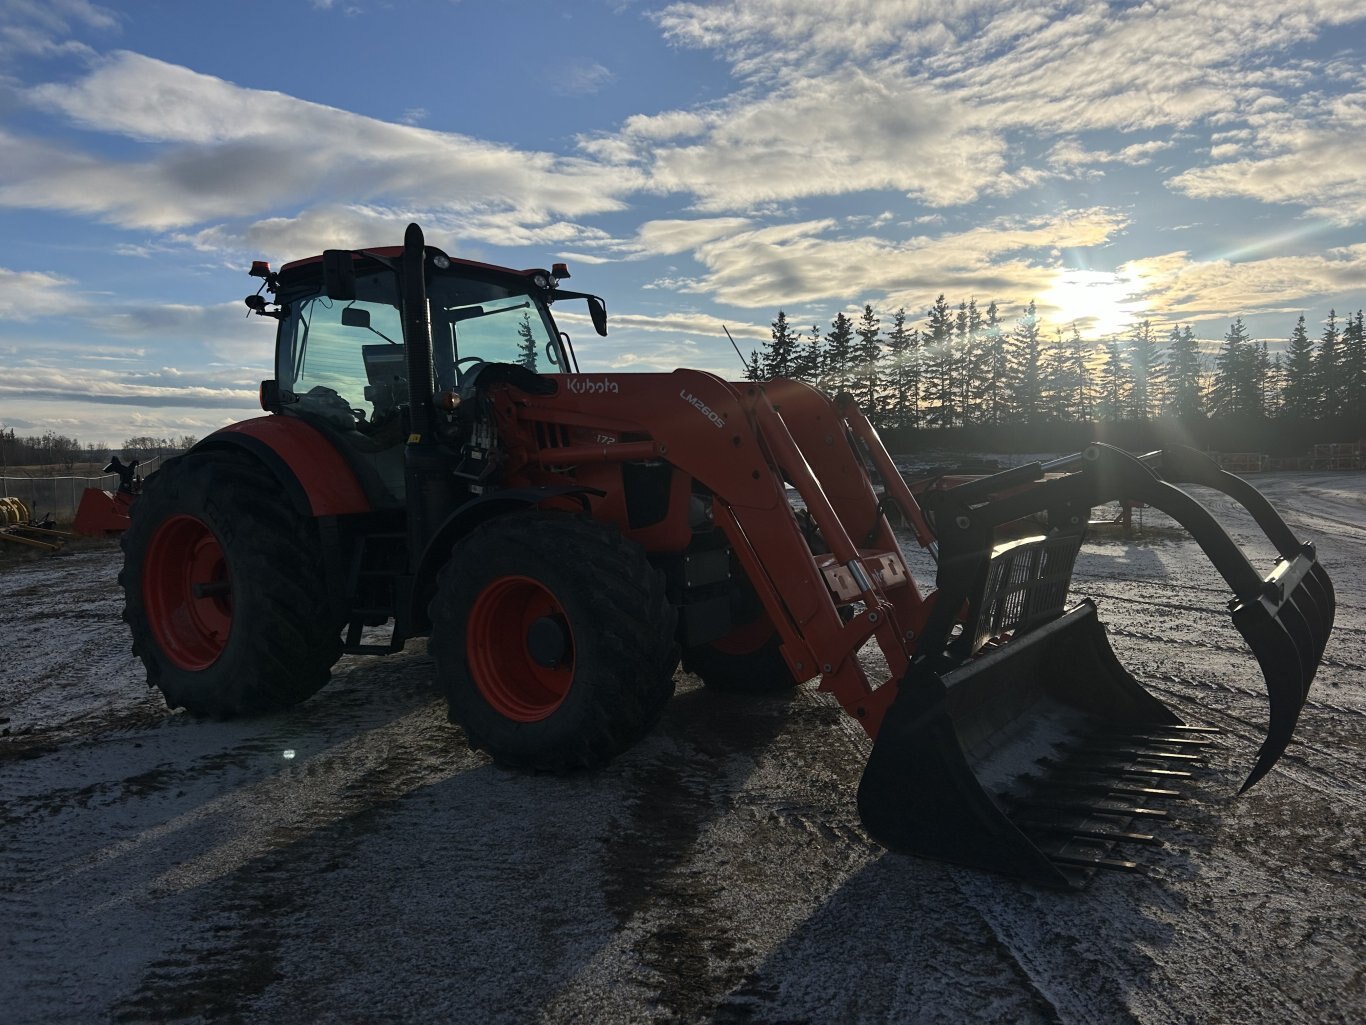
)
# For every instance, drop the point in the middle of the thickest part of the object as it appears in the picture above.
(781, 350)
(902, 404)
(1328, 370)
(1079, 375)
(866, 382)
(526, 348)
(996, 367)
(1143, 369)
(1354, 354)
(938, 339)
(806, 357)
(1055, 383)
(1235, 368)
(1261, 384)
(1299, 400)
(1115, 382)
(972, 378)
(1274, 387)
(839, 354)
(1184, 394)
(1025, 392)
(754, 371)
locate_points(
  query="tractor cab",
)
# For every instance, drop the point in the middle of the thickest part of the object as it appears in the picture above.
(342, 360)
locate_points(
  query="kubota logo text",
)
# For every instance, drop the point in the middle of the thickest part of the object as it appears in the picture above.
(583, 386)
(702, 408)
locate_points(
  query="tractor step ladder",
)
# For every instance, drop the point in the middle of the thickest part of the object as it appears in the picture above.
(360, 615)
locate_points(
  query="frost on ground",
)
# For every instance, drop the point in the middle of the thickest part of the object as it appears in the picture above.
(352, 861)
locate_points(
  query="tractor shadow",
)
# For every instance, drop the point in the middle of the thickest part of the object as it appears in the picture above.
(716, 871)
(404, 859)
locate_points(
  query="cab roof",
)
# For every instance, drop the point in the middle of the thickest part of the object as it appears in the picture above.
(395, 252)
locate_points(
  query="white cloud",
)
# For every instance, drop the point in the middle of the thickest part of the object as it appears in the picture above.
(222, 152)
(789, 265)
(1068, 152)
(761, 37)
(41, 28)
(225, 330)
(581, 78)
(665, 237)
(975, 71)
(328, 226)
(846, 133)
(163, 387)
(657, 344)
(1188, 289)
(25, 295)
(1311, 157)
(673, 124)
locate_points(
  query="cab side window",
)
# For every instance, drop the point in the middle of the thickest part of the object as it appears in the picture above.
(345, 362)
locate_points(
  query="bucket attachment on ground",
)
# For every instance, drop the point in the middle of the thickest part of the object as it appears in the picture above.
(1017, 742)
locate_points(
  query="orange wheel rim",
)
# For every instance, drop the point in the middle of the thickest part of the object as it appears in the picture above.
(187, 592)
(520, 648)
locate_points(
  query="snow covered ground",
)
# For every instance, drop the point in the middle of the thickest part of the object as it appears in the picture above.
(352, 861)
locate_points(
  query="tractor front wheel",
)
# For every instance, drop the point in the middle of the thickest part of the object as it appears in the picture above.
(745, 661)
(224, 590)
(553, 639)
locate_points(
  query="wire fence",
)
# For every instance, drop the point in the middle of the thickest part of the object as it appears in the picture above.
(61, 496)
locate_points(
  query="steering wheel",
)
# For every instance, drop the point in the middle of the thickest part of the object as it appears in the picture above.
(459, 374)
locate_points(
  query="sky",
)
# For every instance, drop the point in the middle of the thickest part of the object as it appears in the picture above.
(698, 164)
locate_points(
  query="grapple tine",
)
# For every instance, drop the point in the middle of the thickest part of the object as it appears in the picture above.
(1285, 618)
(1280, 662)
(1287, 629)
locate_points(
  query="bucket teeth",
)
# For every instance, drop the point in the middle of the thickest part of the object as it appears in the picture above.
(1082, 808)
(1111, 864)
(1090, 795)
(1116, 789)
(1108, 835)
(1174, 741)
(1107, 769)
(1140, 754)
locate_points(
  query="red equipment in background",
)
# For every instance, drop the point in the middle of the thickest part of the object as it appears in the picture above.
(105, 513)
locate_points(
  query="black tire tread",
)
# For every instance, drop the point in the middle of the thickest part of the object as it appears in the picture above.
(625, 676)
(283, 643)
(761, 671)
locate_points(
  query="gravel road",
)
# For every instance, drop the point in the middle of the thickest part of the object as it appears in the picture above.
(353, 861)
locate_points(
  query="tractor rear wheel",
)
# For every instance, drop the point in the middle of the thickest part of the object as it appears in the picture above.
(553, 640)
(224, 589)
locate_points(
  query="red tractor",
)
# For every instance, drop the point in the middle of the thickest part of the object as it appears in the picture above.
(433, 459)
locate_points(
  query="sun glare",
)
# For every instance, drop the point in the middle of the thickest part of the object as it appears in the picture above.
(1100, 303)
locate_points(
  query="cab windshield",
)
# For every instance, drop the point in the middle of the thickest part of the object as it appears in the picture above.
(344, 361)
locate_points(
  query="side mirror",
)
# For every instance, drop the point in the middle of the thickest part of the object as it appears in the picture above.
(353, 316)
(268, 396)
(597, 309)
(339, 275)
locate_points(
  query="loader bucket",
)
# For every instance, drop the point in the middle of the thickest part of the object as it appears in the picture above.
(1036, 753)
(992, 765)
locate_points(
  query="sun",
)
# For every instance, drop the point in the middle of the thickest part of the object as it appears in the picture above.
(1100, 303)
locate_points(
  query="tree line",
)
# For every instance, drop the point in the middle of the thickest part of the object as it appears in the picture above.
(964, 367)
(51, 449)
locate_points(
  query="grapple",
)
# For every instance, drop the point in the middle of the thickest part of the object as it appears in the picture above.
(1017, 742)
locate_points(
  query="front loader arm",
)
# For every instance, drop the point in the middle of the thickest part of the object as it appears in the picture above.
(744, 443)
